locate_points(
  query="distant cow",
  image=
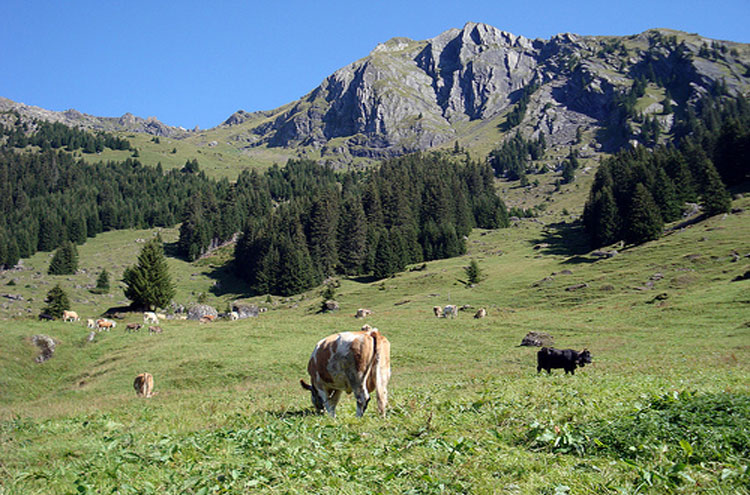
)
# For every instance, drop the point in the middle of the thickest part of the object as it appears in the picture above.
(206, 319)
(144, 385)
(70, 315)
(154, 329)
(234, 315)
(438, 311)
(105, 324)
(481, 313)
(350, 361)
(362, 313)
(450, 311)
(133, 327)
(91, 323)
(150, 317)
(568, 359)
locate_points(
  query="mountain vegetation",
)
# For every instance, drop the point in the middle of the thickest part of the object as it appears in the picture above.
(637, 191)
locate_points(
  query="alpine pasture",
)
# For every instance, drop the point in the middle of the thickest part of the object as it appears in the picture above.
(663, 408)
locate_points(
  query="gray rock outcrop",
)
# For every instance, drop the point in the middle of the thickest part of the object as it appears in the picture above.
(200, 310)
(46, 347)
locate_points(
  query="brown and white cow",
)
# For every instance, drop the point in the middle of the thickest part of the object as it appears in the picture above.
(105, 324)
(363, 313)
(154, 329)
(133, 327)
(358, 362)
(438, 311)
(70, 315)
(481, 313)
(144, 385)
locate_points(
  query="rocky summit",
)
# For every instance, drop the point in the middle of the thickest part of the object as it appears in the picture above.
(410, 95)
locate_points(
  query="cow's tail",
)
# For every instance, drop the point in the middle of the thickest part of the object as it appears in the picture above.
(381, 368)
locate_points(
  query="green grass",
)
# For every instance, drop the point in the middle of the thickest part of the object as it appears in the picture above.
(664, 407)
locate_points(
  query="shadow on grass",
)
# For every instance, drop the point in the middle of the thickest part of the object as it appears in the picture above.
(565, 239)
(293, 413)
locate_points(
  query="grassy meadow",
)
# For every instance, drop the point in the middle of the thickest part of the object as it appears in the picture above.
(664, 408)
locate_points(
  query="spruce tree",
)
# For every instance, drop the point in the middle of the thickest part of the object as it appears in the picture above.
(148, 284)
(57, 302)
(715, 198)
(643, 222)
(65, 260)
(473, 272)
(384, 263)
(102, 282)
(352, 237)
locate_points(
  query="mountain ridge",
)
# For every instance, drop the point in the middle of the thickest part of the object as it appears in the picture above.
(408, 95)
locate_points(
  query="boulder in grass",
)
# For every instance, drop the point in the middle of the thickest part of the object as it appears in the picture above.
(537, 339)
(201, 310)
(46, 347)
(245, 310)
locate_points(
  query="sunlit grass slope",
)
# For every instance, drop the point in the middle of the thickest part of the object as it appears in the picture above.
(664, 407)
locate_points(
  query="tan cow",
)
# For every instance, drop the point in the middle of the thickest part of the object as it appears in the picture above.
(105, 324)
(154, 329)
(91, 323)
(438, 311)
(70, 315)
(358, 362)
(144, 385)
(481, 313)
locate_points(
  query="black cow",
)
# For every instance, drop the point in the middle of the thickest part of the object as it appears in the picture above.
(548, 358)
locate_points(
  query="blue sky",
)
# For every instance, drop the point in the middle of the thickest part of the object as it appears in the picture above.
(196, 62)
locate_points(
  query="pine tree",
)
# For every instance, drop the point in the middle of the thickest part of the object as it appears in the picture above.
(57, 302)
(102, 282)
(384, 263)
(148, 284)
(65, 260)
(644, 222)
(473, 272)
(352, 237)
(715, 198)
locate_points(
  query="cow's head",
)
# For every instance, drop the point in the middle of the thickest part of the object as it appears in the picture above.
(317, 402)
(584, 358)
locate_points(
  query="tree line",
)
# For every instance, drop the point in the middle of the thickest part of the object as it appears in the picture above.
(49, 198)
(636, 191)
(408, 210)
(54, 135)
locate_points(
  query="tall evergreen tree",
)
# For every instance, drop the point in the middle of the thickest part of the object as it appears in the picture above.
(57, 302)
(715, 198)
(352, 237)
(65, 260)
(102, 282)
(644, 222)
(148, 284)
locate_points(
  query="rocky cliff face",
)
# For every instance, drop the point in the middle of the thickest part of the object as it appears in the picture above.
(412, 95)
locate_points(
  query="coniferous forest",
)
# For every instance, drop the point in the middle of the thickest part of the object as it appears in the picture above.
(638, 190)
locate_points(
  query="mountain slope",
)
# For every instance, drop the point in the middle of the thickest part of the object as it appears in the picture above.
(409, 95)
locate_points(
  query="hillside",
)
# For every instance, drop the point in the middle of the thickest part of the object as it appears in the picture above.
(667, 327)
(475, 85)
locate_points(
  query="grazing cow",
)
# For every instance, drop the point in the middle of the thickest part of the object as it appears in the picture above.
(350, 361)
(207, 319)
(450, 311)
(144, 385)
(105, 324)
(548, 358)
(481, 313)
(234, 315)
(438, 311)
(154, 329)
(70, 315)
(362, 313)
(90, 323)
(133, 327)
(150, 317)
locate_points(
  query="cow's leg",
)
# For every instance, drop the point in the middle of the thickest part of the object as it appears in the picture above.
(329, 407)
(333, 399)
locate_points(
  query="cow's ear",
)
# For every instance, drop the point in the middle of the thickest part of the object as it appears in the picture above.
(305, 385)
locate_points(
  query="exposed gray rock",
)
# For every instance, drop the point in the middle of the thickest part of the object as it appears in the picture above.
(537, 339)
(200, 310)
(46, 347)
(245, 310)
